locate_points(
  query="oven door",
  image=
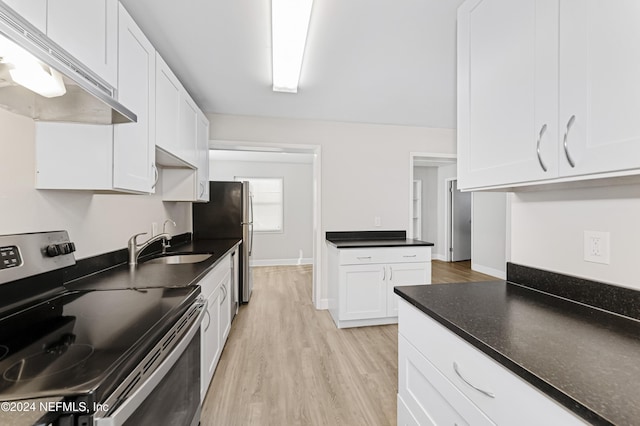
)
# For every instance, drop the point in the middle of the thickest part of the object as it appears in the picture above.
(170, 395)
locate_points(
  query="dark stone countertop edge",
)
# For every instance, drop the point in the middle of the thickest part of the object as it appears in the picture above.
(379, 243)
(365, 235)
(548, 389)
(372, 239)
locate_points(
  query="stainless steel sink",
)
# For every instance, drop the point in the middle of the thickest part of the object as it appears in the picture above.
(177, 259)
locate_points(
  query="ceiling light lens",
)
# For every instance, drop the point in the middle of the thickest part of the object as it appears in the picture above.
(289, 26)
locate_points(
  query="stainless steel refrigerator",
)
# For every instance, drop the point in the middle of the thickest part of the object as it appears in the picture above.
(229, 214)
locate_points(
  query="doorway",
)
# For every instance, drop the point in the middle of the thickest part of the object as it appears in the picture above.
(313, 151)
(459, 222)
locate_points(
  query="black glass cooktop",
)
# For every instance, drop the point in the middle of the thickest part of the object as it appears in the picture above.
(84, 343)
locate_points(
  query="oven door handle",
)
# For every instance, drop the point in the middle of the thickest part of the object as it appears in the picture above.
(136, 399)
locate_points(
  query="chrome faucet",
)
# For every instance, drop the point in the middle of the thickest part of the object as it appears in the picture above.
(166, 243)
(135, 249)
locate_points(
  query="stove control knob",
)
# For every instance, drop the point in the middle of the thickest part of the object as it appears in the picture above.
(53, 250)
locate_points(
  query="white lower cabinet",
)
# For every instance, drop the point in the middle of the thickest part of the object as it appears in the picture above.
(361, 282)
(211, 342)
(442, 379)
(217, 321)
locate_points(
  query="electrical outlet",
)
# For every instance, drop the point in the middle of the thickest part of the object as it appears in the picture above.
(596, 247)
(376, 221)
(154, 229)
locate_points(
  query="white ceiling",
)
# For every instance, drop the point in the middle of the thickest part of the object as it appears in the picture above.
(369, 61)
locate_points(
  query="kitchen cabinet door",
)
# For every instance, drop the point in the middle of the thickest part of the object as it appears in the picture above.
(211, 340)
(507, 91)
(363, 292)
(203, 157)
(88, 30)
(187, 135)
(404, 274)
(599, 90)
(225, 308)
(134, 143)
(168, 90)
(34, 11)
(428, 395)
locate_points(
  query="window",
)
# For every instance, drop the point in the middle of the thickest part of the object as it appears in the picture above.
(267, 203)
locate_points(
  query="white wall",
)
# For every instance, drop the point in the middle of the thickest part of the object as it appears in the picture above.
(97, 223)
(547, 231)
(365, 167)
(297, 235)
(488, 218)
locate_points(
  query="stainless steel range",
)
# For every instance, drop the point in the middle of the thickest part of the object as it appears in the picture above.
(115, 357)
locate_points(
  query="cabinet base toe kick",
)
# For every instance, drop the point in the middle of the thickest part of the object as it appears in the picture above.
(365, 322)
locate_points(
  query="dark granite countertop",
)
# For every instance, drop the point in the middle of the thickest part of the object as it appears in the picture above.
(584, 357)
(158, 275)
(371, 239)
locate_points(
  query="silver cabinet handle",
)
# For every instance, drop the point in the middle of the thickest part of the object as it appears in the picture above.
(156, 174)
(390, 273)
(224, 290)
(206, 311)
(201, 189)
(542, 131)
(482, 391)
(363, 257)
(566, 137)
(384, 273)
(413, 255)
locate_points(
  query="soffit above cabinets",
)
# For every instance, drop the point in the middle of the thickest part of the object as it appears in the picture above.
(369, 61)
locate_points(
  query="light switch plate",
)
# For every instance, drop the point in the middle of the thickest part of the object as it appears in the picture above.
(596, 247)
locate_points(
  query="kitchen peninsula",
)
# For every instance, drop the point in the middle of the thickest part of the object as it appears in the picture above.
(539, 348)
(365, 266)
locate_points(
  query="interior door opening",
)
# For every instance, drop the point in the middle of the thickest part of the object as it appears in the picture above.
(268, 159)
(459, 224)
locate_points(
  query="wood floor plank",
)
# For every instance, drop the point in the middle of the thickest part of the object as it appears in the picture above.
(286, 363)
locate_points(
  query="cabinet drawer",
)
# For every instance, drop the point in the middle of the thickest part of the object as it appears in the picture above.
(429, 396)
(213, 279)
(384, 255)
(514, 401)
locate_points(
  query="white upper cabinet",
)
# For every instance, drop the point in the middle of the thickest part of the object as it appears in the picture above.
(203, 157)
(187, 135)
(547, 90)
(175, 119)
(107, 158)
(599, 76)
(34, 11)
(88, 29)
(168, 90)
(507, 80)
(134, 143)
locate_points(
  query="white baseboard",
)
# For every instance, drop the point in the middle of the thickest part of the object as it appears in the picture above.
(280, 262)
(436, 256)
(323, 304)
(489, 271)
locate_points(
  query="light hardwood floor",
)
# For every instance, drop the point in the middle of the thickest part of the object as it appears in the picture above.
(286, 363)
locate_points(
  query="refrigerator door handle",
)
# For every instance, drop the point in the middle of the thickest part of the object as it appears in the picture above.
(251, 223)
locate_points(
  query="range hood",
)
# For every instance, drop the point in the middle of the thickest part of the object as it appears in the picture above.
(73, 93)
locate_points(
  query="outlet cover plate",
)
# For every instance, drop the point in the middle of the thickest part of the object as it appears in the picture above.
(596, 247)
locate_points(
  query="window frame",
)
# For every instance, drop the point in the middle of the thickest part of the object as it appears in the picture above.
(282, 217)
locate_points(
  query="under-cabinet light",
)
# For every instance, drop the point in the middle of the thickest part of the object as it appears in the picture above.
(27, 71)
(289, 27)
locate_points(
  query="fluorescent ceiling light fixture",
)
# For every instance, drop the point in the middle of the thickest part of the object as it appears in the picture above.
(29, 72)
(289, 27)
